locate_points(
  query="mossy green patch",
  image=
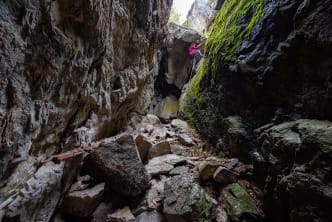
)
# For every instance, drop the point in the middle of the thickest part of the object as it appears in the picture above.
(228, 32)
(238, 201)
(233, 23)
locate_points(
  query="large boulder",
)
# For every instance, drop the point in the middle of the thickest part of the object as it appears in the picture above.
(118, 164)
(185, 200)
(297, 170)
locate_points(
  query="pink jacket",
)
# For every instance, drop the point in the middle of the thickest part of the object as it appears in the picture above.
(192, 49)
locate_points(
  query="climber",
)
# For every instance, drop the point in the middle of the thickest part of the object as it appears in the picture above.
(193, 51)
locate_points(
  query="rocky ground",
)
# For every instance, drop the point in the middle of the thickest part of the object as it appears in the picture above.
(160, 172)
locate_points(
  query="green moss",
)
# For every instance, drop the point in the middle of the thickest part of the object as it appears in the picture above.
(233, 23)
(238, 201)
(227, 34)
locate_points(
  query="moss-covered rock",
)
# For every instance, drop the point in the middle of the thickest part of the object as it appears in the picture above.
(238, 202)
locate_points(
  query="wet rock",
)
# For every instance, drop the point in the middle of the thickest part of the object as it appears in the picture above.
(238, 202)
(122, 215)
(179, 170)
(185, 139)
(101, 212)
(117, 163)
(151, 119)
(143, 146)
(225, 176)
(150, 216)
(82, 202)
(185, 200)
(159, 149)
(180, 124)
(207, 168)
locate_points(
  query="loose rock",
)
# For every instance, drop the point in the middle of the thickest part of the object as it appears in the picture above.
(159, 149)
(122, 215)
(117, 163)
(82, 203)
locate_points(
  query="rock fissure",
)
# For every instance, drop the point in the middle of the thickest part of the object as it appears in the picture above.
(103, 116)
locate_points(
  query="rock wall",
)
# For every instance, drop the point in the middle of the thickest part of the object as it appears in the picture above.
(269, 62)
(201, 14)
(72, 72)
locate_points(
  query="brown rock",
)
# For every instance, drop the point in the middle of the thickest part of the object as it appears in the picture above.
(143, 146)
(225, 176)
(82, 203)
(159, 149)
(122, 215)
(207, 168)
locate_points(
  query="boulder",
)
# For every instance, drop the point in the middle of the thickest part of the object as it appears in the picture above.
(185, 200)
(150, 216)
(163, 164)
(143, 146)
(159, 149)
(172, 159)
(207, 168)
(179, 124)
(185, 139)
(238, 202)
(81, 203)
(225, 176)
(158, 168)
(179, 170)
(101, 212)
(151, 119)
(122, 215)
(238, 139)
(118, 164)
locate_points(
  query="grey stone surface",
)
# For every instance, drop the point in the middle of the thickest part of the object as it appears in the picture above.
(68, 78)
(185, 200)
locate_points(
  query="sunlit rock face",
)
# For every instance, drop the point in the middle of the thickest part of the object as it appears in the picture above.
(71, 72)
(201, 14)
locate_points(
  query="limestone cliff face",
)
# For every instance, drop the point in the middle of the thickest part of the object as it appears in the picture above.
(71, 72)
(269, 62)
